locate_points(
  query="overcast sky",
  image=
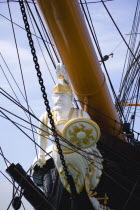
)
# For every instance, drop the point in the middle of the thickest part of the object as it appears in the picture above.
(16, 146)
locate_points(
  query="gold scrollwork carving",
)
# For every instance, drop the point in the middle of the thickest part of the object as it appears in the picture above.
(76, 130)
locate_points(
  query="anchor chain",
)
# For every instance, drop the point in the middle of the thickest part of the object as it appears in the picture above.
(46, 102)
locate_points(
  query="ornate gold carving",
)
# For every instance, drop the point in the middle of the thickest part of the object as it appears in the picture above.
(44, 135)
(82, 132)
(105, 198)
(60, 77)
(76, 130)
(59, 88)
(65, 151)
(61, 172)
(85, 141)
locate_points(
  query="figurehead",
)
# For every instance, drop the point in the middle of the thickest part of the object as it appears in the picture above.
(62, 93)
(78, 136)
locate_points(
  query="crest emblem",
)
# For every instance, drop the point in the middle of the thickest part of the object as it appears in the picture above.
(81, 132)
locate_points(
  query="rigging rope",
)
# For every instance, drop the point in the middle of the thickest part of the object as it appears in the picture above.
(14, 91)
(13, 100)
(130, 46)
(131, 193)
(24, 28)
(112, 178)
(45, 32)
(136, 102)
(119, 31)
(43, 123)
(116, 181)
(53, 62)
(21, 71)
(40, 46)
(92, 2)
(37, 67)
(4, 157)
(91, 27)
(33, 116)
(12, 184)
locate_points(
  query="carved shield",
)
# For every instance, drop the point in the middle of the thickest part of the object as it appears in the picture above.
(81, 132)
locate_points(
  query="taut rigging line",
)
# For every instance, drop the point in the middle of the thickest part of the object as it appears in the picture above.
(76, 148)
(53, 62)
(20, 66)
(92, 30)
(116, 181)
(40, 46)
(119, 31)
(41, 82)
(13, 186)
(24, 28)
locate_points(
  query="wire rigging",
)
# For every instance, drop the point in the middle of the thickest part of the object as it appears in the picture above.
(46, 33)
(119, 31)
(17, 103)
(103, 172)
(92, 2)
(132, 42)
(21, 71)
(14, 79)
(4, 157)
(39, 121)
(130, 81)
(35, 118)
(131, 193)
(118, 183)
(24, 28)
(91, 27)
(136, 102)
(15, 84)
(40, 46)
(12, 89)
(12, 184)
(25, 178)
(52, 59)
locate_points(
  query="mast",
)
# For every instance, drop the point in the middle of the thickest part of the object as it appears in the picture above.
(68, 28)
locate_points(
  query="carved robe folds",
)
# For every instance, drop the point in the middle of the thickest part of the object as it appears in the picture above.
(84, 164)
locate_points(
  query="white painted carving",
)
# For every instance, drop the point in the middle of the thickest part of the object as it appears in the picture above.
(88, 172)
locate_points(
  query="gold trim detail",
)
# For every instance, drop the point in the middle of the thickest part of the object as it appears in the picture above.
(44, 135)
(89, 139)
(59, 88)
(58, 122)
(75, 180)
(105, 198)
(65, 151)
(60, 77)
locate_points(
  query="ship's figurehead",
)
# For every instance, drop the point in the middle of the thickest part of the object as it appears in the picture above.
(78, 136)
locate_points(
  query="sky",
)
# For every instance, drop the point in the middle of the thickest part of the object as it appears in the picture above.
(16, 147)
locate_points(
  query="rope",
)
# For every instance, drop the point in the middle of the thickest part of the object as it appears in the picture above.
(40, 47)
(23, 28)
(91, 27)
(37, 67)
(53, 62)
(21, 71)
(12, 184)
(45, 32)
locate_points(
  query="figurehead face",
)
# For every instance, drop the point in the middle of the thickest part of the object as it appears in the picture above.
(62, 97)
(61, 101)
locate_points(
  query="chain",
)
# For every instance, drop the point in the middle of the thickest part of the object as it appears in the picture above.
(46, 102)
